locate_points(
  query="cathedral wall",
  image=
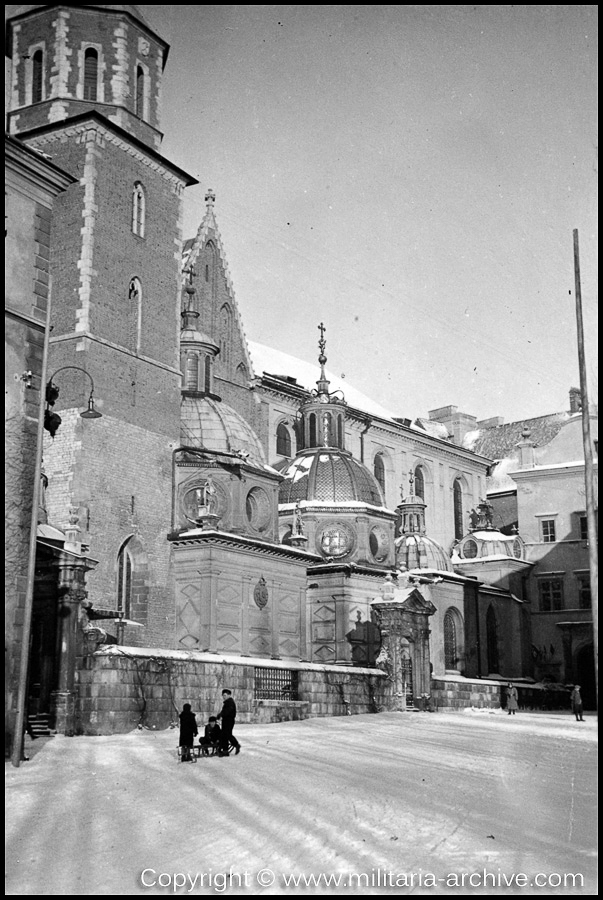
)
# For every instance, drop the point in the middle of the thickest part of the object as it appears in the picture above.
(232, 599)
(31, 187)
(96, 254)
(118, 477)
(446, 596)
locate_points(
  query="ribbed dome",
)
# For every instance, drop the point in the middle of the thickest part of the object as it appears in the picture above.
(417, 551)
(213, 425)
(328, 475)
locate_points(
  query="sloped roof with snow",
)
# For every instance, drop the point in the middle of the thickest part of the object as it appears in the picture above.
(501, 441)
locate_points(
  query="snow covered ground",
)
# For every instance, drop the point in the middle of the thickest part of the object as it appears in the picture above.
(395, 803)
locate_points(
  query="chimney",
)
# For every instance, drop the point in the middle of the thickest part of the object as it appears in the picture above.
(526, 450)
(575, 400)
(457, 423)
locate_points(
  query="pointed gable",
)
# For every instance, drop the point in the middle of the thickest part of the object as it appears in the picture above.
(219, 312)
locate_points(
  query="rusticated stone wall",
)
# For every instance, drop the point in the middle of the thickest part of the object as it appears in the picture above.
(451, 694)
(120, 688)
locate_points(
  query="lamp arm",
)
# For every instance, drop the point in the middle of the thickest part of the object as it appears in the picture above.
(75, 368)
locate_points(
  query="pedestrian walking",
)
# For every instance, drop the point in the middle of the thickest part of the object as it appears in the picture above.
(188, 732)
(512, 704)
(576, 703)
(228, 716)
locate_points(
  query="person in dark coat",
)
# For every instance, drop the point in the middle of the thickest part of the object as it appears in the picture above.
(228, 716)
(512, 704)
(188, 732)
(211, 736)
(576, 703)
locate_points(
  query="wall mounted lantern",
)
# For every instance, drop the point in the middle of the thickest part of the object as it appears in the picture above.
(51, 419)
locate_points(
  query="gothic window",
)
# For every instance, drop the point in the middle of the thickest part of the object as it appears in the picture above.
(225, 334)
(283, 440)
(140, 92)
(138, 209)
(492, 642)
(457, 492)
(241, 373)
(450, 643)
(90, 74)
(132, 580)
(124, 581)
(419, 483)
(379, 471)
(37, 80)
(134, 314)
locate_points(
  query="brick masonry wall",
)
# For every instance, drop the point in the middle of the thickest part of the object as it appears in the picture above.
(94, 218)
(119, 477)
(119, 692)
(62, 34)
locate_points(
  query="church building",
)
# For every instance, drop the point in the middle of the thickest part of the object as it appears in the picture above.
(254, 523)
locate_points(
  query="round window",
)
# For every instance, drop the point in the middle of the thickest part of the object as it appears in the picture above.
(196, 499)
(378, 543)
(469, 549)
(257, 507)
(336, 540)
(518, 548)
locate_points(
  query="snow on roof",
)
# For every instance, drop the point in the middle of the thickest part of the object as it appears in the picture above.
(435, 429)
(268, 361)
(502, 440)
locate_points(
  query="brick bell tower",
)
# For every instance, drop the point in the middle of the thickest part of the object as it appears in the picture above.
(86, 91)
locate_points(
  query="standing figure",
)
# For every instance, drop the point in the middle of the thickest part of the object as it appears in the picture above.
(228, 716)
(576, 703)
(512, 705)
(188, 732)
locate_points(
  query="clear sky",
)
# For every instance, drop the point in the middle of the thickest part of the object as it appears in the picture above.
(409, 175)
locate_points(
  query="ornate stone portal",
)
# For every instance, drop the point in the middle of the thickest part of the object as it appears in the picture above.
(403, 613)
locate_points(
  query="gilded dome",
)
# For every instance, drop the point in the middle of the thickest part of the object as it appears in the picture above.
(213, 425)
(328, 475)
(417, 551)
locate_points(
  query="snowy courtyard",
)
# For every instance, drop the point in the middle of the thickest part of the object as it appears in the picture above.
(425, 804)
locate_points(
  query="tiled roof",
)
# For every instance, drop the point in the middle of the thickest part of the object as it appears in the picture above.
(501, 441)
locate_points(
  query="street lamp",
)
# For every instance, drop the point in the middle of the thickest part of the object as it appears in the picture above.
(53, 420)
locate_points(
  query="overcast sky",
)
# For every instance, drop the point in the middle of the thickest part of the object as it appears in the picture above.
(409, 175)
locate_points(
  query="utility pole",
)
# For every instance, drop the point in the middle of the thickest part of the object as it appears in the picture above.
(588, 465)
